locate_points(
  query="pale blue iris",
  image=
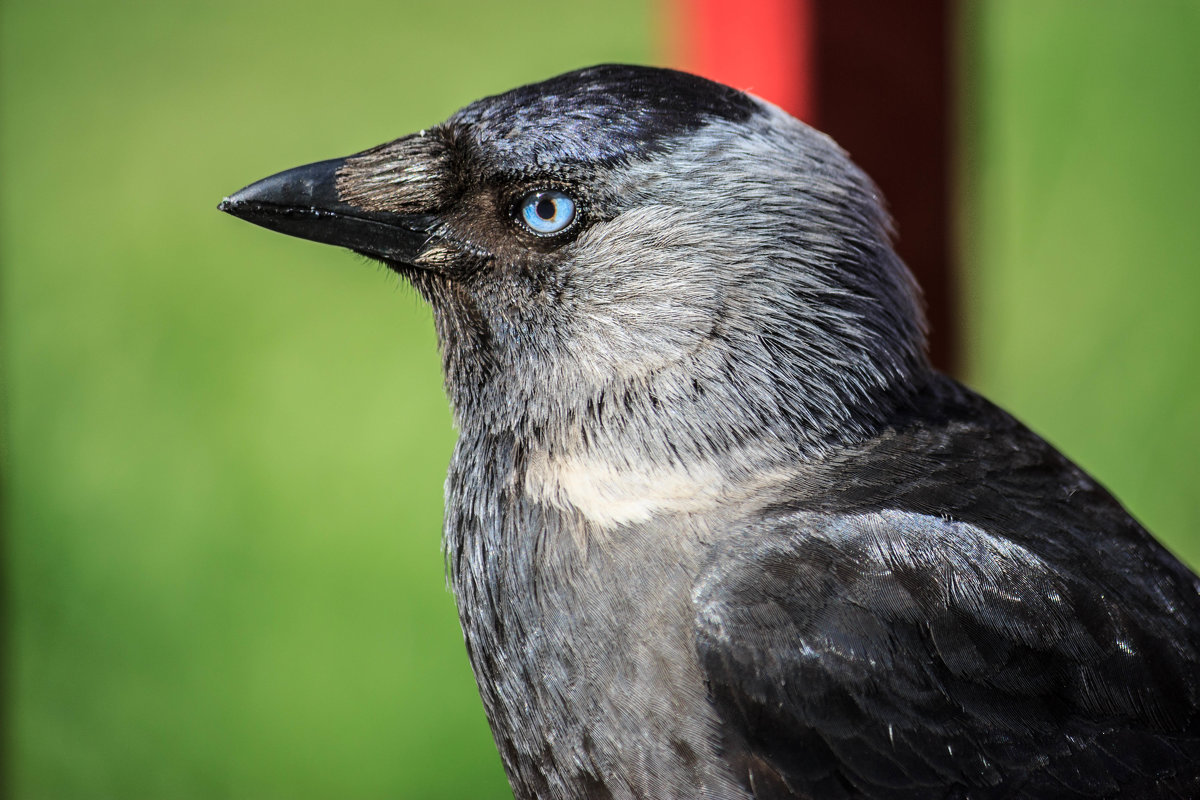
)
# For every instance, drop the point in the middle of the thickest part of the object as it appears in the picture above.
(547, 212)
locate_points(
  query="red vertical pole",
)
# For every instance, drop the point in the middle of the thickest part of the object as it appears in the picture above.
(762, 46)
(874, 74)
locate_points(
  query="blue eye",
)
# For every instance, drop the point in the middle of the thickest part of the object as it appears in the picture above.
(547, 212)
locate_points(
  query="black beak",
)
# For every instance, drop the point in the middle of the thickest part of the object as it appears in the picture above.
(304, 202)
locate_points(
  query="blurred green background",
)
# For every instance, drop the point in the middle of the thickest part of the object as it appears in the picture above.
(1081, 225)
(224, 449)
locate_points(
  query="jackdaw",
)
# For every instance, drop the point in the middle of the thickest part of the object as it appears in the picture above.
(714, 526)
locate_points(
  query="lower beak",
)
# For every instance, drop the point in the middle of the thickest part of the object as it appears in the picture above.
(304, 202)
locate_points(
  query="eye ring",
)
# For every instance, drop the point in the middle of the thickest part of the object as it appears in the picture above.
(546, 212)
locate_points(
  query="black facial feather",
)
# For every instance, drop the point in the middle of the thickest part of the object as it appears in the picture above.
(413, 174)
(599, 116)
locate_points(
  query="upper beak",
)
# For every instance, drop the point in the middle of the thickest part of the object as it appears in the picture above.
(304, 202)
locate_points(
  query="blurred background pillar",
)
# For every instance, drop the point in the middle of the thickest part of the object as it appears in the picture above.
(873, 74)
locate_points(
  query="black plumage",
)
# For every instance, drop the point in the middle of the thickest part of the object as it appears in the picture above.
(946, 613)
(715, 527)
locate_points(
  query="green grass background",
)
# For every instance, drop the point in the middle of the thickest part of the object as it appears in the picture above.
(224, 449)
(1082, 235)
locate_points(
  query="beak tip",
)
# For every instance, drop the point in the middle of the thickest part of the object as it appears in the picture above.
(307, 187)
(239, 202)
(304, 202)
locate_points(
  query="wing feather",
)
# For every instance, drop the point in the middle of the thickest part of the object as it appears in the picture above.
(981, 621)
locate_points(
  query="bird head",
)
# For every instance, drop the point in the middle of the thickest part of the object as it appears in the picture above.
(635, 253)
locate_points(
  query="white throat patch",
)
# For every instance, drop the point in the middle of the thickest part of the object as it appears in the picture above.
(610, 494)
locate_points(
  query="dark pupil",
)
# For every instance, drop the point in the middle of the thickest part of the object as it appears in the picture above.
(545, 208)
